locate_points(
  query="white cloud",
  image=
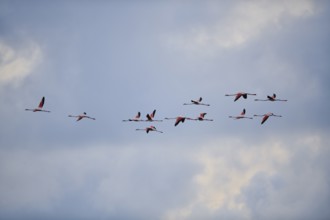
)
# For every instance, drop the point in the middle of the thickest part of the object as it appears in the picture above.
(244, 22)
(228, 167)
(226, 177)
(248, 181)
(16, 64)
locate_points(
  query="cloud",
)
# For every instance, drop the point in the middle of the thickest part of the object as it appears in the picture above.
(298, 190)
(97, 180)
(220, 170)
(244, 22)
(17, 63)
(230, 178)
(256, 181)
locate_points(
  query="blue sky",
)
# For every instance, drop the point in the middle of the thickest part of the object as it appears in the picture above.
(112, 59)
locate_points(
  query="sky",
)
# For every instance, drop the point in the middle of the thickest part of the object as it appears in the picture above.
(112, 59)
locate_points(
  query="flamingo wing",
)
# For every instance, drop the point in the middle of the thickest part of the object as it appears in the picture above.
(237, 96)
(138, 115)
(178, 120)
(271, 98)
(149, 117)
(153, 114)
(42, 102)
(264, 119)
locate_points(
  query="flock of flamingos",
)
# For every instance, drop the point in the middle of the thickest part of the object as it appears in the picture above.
(179, 119)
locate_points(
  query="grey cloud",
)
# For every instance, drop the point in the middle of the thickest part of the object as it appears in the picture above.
(111, 60)
(297, 191)
(135, 181)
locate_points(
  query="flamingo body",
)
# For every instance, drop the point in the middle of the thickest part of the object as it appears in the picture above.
(136, 118)
(266, 116)
(150, 117)
(240, 94)
(81, 116)
(201, 117)
(271, 98)
(242, 115)
(40, 107)
(178, 120)
(197, 102)
(148, 129)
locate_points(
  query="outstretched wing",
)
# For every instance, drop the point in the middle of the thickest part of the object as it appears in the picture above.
(149, 117)
(42, 102)
(153, 114)
(138, 115)
(237, 97)
(178, 120)
(264, 119)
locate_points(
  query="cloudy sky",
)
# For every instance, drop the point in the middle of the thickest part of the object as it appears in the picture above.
(112, 59)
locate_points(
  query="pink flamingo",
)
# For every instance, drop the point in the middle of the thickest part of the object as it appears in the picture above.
(201, 117)
(178, 119)
(242, 115)
(266, 116)
(239, 95)
(271, 98)
(197, 102)
(136, 118)
(81, 116)
(147, 129)
(39, 108)
(150, 117)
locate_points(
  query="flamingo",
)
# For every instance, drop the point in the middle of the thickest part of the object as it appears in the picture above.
(178, 119)
(201, 118)
(242, 115)
(266, 116)
(39, 108)
(81, 116)
(239, 95)
(136, 118)
(197, 102)
(271, 98)
(150, 117)
(150, 128)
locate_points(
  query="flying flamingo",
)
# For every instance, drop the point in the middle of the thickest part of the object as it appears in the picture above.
(178, 119)
(266, 116)
(147, 129)
(136, 118)
(271, 98)
(242, 115)
(239, 95)
(81, 116)
(200, 118)
(150, 117)
(197, 102)
(39, 108)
